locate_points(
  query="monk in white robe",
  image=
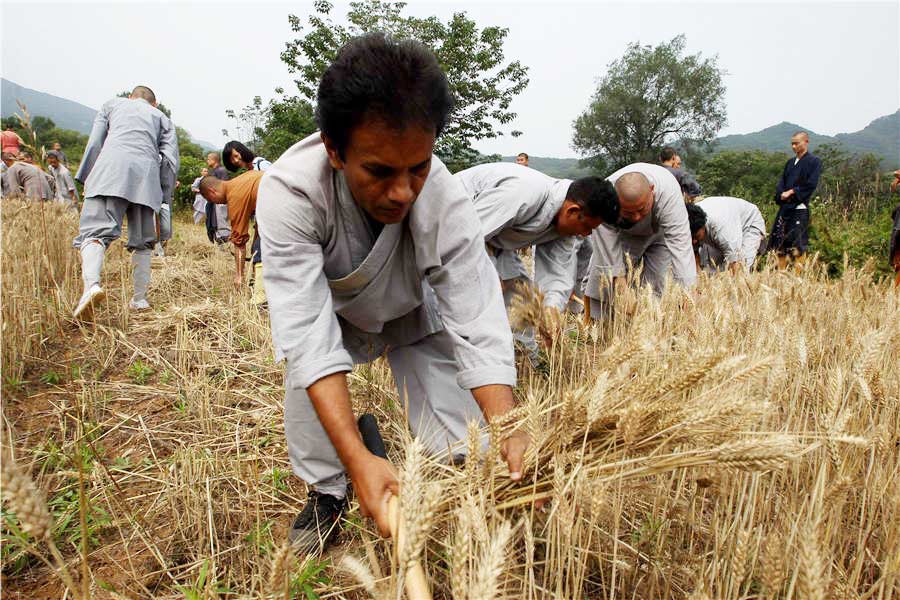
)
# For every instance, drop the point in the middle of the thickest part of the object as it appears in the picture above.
(652, 231)
(372, 248)
(732, 234)
(521, 207)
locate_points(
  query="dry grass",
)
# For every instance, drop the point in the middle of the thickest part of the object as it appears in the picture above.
(742, 442)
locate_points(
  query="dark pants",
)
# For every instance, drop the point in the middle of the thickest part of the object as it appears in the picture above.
(256, 248)
(790, 231)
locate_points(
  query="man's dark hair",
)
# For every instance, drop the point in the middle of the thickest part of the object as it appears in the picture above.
(375, 76)
(55, 155)
(596, 196)
(26, 154)
(142, 91)
(696, 218)
(667, 154)
(246, 154)
(523, 155)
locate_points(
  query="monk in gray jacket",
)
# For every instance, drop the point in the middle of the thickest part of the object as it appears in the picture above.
(28, 180)
(372, 248)
(128, 169)
(652, 231)
(520, 207)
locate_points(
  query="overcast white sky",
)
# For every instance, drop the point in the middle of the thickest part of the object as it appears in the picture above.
(829, 66)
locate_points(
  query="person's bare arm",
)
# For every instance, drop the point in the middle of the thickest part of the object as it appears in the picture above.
(239, 255)
(496, 400)
(374, 479)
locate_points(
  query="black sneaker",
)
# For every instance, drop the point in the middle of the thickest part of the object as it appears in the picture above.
(318, 523)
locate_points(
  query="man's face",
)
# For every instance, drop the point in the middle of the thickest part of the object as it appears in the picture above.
(522, 160)
(212, 161)
(204, 172)
(52, 161)
(632, 212)
(699, 237)
(676, 162)
(56, 146)
(572, 220)
(799, 144)
(385, 168)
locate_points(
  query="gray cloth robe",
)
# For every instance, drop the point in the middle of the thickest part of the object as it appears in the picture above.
(64, 184)
(662, 239)
(339, 295)
(517, 207)
(132, 153)
(734, 229)
(23, 178)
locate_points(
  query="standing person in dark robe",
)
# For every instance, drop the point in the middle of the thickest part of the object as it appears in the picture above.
(128, 170)
(790, 231)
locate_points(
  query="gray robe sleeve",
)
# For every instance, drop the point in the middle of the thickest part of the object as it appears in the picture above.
(554, 271)
(305, 328)
(170, 161)
(673, 221)
(95, 143)
(450, 249)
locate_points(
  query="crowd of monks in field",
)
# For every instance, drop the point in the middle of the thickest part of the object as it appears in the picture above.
(365, 245)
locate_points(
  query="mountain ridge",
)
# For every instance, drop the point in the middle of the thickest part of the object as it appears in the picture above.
(65, 113)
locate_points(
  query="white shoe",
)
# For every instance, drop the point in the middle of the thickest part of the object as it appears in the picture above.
(139, 304)
(85, 309)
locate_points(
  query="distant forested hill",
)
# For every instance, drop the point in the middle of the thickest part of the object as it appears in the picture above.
(880, 137)
(65, 113)
(561, 168)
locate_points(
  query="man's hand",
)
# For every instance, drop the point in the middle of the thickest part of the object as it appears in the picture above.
(374, 481)
(512, 449)
(787, 194)
(238, 281)
(551, 326)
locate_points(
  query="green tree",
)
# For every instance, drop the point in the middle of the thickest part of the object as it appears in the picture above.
(186, 146)
(270, 129)
(482, 82)
(651, 96)
(748, 174)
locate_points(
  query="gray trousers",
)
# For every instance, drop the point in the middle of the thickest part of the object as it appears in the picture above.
(102, 217)
(650, 253)
(438, 409)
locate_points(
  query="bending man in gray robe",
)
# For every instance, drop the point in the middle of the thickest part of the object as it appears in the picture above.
(372, 248)
(726, 230)
(128, 169)
(520, 207)
(652, 232)
(28, 180)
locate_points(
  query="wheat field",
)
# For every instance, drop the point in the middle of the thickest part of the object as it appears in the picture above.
(741, 441)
